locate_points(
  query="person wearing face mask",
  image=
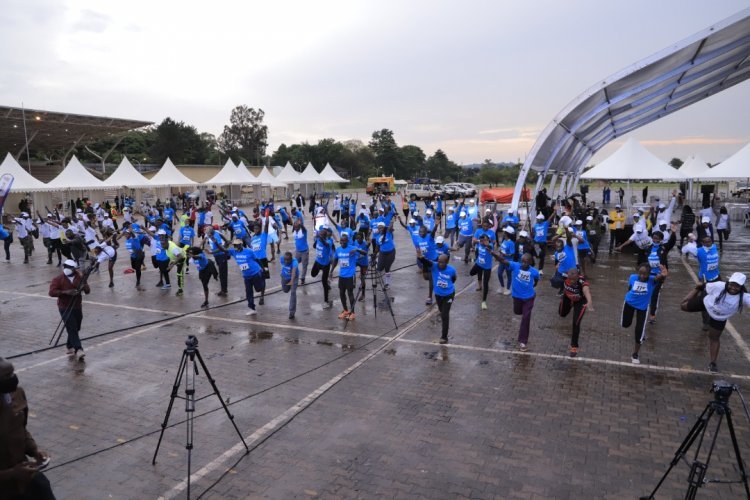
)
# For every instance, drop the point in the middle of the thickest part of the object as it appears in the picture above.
(717, 302)
(68, 287)
(656, 256)
(20, 477)
(616, 227)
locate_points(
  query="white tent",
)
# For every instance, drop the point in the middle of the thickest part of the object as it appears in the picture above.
(229, 175)
(309, 175)
(736, 166)
(694, 167)
(248, 178)
(23, 182)
(169, 176)
(289, 175)
(75, 177)
(126, 175)
(267, 178)
(633, 162)
(329, 175)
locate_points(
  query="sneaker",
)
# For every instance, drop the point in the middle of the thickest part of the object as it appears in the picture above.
(204, 305)
(80, 355)
(522, 347)
(386, 286)
(573, 352)
(344, 314)
(187, 271)
(560, 292)
(507, 291)
(251, 312)
(166, 286)
(159, 284)
(328, 305)
(352, 316)
(111, 285)
(222, 293)
(500, 290)
(302, 281)
(541, 272)
(484, 306)
(70, 352)
(443, 341)
(179, 292)
(713, 368)
(137, 284)
(291, 315)
(428, 302)
(478, 288)
(261, 301)
(362, 297)
(635, 360)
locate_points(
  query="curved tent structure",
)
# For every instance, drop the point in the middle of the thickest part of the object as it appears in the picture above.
(706, 63)
(23, 182)
(169, 176)
(633, 162)
(694, 167)
(76, 177)
(330, 175)
(126, 175)
(736, 166)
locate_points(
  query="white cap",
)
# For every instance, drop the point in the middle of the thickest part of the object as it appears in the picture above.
(509, 230)
(152, 229)
(540, 216)
(96, 205)
(589, 217)
(416, 212)
(618, 206)
(487, 210)
(705, 218)
(636, 214)
(471, 201)
(106, 214)
(579, 223)
(380, 209)
(452, 208)
(412, 221)
(126, 209)
(511, 212)
(71, 263)
(565, 220)
(381, 224)
(24, 214)
(49, 215)
(570, 230)
(639, 230)
(738, 278)
(462, 214)
(428, 212)
(161, 232)
(364, 204)
(662, 205)
(523, 234)
(640, 210)
(439, 240)
(78, 211)
(234, 208)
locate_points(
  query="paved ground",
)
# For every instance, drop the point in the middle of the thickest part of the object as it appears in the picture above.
(367, 410)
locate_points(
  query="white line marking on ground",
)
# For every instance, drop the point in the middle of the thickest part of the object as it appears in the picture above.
(729, 327)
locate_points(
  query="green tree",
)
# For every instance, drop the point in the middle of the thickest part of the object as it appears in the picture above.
(180, 142)
(387, 152)
(245, 138)
(440, 167)
(413, 162)
(675, 163)
(490, 174)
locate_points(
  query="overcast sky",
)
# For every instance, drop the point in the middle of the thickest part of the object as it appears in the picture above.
(478, 79)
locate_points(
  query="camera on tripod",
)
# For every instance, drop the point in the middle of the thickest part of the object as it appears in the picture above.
(722, 390)
(191, 342)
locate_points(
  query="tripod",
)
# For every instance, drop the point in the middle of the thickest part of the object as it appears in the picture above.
(189, 355)
(718, 407)
(375, 279)
(60, 328)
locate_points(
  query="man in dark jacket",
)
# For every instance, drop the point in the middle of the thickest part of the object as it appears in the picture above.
(68, 287)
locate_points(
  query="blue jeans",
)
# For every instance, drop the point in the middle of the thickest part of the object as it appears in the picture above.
(256, 282)
(503, 269)
(290, 287)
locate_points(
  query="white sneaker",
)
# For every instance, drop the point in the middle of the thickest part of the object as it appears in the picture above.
(80, 355)
(251, 312)
(635, 360)
(541, 273)
(500, 290)
(507, 291)
(71, 352)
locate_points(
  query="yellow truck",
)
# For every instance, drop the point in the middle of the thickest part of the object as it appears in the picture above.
(381, 185)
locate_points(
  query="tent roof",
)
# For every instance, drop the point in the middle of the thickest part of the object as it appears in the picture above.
(736, 166)
(330, 175)
(694, 167)
(247, 177)
(23, 182)
(168, 175)
(126, 175)
(288, 174)
(266, 177)
(228, 175)
(633, 162)
(309, 175)
(75, 176)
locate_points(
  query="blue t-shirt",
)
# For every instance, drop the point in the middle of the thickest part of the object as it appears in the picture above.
(442, 281)
(200, 261)
(347, 259)
(540, 232)
(134, 246)
(3, 233)
(450, 221)
(258, 244)
(565, 259)
(168, 214)
(583, 239)
(288, 269)
(639, 292)
(508, 249)
(385, 240)
(484, 257)
(439, 208)
(284, 216)
(465, 226)
(653, 259)
(323, 250)
(201, 218)
(363, 222)
(412, 207)
(246, 262)
(187, 234)
(523, 281)
(212, 242)
(374, 225)
(239, 229)
(159, 251)
(443, 249)
(429, 223)
(426, 245)
(708, 261)
(300, 240)
(346, 230)
(509, 220)
(490, 234)
(362, 258)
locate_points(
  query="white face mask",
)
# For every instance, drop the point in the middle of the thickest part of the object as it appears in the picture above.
(68, 272)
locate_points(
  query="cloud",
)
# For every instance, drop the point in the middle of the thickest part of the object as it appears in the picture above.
(91, 21)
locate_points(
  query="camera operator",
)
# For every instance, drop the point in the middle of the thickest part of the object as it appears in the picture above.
(20, 478)
(67, 287)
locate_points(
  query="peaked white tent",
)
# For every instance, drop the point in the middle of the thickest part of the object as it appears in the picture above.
(736, 166)
(23, 182)
(229, 175)
(694, 167)
(267, 178)
(75, 177)
(633, 162)
(248, 178)
(168, 176)
(309, 175)
(126, 175)
(289, 175)
(329, 175)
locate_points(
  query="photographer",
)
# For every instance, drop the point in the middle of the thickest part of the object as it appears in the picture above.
(19, 477)
(67, 287)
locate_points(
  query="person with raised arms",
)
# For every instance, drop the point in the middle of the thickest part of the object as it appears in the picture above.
(289, 278)
(252, 274)
(637, 299)
(443, 283)
(345, 257)
(524, 278)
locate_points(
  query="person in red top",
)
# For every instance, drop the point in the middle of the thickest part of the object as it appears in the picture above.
(576, 297)
(68, 287)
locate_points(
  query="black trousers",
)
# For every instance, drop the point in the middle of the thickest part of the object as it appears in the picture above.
(444, 303)
(579, 309)
(163, 272)
(628, 312)
(541, 251)
(137, 263)
(346, 288)
(36, 489)
(484, 277)
(72, 320)
(221, 264)
(326, 269)
(615, 236)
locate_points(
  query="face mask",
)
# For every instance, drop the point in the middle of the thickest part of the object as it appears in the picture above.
(9, 385)
(68, 272)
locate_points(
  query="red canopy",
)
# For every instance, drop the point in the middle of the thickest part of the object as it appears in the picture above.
(502, 195)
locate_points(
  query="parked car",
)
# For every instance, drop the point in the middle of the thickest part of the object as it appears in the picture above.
(450, 192)
(459, 189)
(471, 189)
(421, 191)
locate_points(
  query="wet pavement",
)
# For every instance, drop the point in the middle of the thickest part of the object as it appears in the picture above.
(364, 409)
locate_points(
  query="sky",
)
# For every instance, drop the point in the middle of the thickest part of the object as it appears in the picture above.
(477, 79)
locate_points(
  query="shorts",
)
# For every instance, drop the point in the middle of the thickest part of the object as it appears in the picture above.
(346, 283)
(696, 305)
(273, 237)
(264, 266)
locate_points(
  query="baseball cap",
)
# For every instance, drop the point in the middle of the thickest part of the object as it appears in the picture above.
(636, 214)
(523, 234)
(486, 210)
(462, 214)
(237, 241)
(428, 212)
(589, 217)
(452, 208)
(71, 263)
(618, 206)
(161, 232)
(439, 240)
(705, 218)
(662, 205)
(471, 201)
(565, 220)
(738, 278)
(509, 230)
(381, 224)
(24, 214)
(540, 216)
(412, 221)
(579, 222)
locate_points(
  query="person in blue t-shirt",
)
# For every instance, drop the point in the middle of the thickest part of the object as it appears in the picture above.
(206, 270)
(186, 235)
(134, 244)
(217, 248)
(565, 259)
(442, 247)
(524, 278)
(285, 221)
(708, 259)
(324, 248)
(259, 245)
(443, 282)
(386, 250)
(363, 261)
(507, 248)
(450, 225)
(252, 273)
(289, 279)
(425, 242)
(541, 228)
(637, 300)
(301, 247)
(482, 268)
(465, 233)
(345, 257)
(510, 219)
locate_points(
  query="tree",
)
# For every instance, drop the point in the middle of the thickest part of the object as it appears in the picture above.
(387, 152)
(413, 162)
(180, 142)
(490, 174)
(675, 163)
(245, 138)
(440, 167)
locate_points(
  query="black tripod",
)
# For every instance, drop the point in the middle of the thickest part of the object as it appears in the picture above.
(719, 407)
(376, 279)
(189, 355)
(69, 309)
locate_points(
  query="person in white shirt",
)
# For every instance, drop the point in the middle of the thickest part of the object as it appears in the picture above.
(24, 229)
(664, 214)
(717, 302)
(723, 226)
(54, 240)
(639, 222)
(106, 253)
(107, 222)
(127, 215)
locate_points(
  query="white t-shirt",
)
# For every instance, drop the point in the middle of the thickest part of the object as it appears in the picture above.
(727, 306)
(209, 218)
(107, 253)
(723, 221)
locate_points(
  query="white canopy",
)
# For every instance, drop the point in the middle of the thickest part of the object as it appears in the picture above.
(309, 175)
(247, 177)
(227, 176)
(75, 176)
(267, 178)
(694, 167)
(168, 176)
(329, 175)
(633, 162)
(23, 182)
(289, 175)
(736, 166)
(126, 175)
